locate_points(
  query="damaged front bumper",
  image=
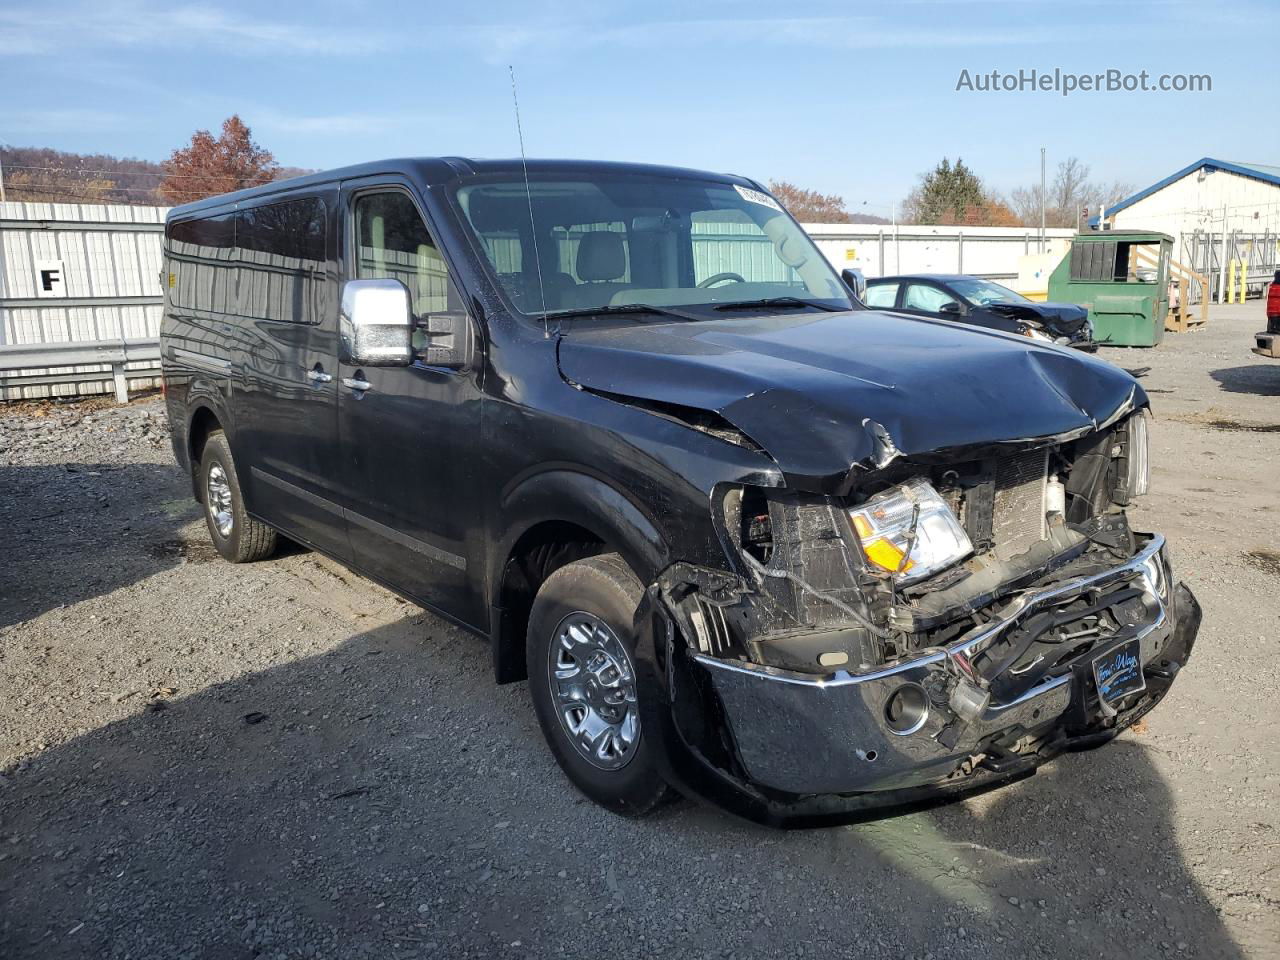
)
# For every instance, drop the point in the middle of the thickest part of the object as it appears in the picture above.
(784, 746)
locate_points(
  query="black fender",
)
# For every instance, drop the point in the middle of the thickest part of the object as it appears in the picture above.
(203, 397)
(565, 495)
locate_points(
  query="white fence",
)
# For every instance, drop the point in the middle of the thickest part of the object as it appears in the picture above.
(881, 251)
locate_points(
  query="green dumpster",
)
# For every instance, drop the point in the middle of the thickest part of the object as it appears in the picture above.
(1122, 278)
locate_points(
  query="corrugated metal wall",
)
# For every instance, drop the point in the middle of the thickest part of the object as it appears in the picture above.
(740, 248)
(105, 257)
(110, 258)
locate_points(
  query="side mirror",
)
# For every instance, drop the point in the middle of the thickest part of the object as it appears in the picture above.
(951, 308)
(376, 324)
(855, 281)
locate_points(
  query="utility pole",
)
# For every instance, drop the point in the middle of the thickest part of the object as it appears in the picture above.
(897, 248)
(1, 178)
(1042, 199)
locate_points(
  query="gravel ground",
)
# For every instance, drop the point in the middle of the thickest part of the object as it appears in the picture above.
(282, 760)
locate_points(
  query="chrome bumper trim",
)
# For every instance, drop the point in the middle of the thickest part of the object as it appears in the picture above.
(1145, 562)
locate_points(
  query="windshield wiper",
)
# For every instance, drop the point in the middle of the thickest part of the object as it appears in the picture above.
(779, 302)
(626, 308)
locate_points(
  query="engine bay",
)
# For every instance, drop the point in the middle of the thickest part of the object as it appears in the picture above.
(828, 583)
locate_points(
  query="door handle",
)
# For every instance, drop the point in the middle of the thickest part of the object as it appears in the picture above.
(359, 386)
(318, 376)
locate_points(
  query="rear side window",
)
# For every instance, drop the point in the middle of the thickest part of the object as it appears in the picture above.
(882, 294)
(201, 255)
(392, 241)
(282, 260)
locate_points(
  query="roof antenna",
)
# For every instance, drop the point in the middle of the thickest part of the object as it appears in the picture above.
(528, 192)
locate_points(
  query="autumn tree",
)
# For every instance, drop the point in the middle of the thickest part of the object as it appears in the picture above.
(810, 206)
(209, 165)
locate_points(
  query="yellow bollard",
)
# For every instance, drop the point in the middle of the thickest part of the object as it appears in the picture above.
(1244, 267)
(1231, 280)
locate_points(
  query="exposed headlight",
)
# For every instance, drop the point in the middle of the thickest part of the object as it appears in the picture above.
(1133, 469)
(1037, 334)
(910, 532)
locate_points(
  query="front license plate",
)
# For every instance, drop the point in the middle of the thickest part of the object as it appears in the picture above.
(1118, 672)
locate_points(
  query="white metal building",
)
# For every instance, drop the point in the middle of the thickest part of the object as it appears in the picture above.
(1216, 211)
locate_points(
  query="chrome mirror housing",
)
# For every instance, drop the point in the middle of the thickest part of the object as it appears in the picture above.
(376, 323)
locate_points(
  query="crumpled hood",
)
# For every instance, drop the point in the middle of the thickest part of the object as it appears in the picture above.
(1063, 319)
(811, 388)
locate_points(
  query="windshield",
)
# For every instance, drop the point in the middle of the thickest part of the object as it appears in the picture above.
(610, 242)
(980, 293)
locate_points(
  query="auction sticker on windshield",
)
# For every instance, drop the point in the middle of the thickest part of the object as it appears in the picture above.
(1118, 672)
(755, 196)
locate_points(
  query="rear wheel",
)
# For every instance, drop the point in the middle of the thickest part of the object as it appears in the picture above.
(236, 536)
(584, 684)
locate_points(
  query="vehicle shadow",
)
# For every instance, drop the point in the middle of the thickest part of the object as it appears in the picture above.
(78, 530)
(383, 799)
(1261, 379)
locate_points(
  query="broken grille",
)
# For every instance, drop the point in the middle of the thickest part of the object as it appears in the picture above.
(712, 628)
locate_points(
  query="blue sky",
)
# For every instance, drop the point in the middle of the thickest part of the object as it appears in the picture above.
(850, 98)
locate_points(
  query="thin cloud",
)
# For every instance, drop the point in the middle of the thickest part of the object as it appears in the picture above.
(61, 121)
(502, 42)
(50, 28)
(330, 124)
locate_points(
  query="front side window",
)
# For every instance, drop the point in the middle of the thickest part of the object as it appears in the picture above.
(391, 241)
(613, 240)
(926, 298)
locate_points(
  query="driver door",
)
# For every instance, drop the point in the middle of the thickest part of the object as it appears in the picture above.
(407, 434)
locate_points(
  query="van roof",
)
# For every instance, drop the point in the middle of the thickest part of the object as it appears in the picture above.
(434, 170)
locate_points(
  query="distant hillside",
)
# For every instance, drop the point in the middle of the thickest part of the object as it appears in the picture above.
(55, 176)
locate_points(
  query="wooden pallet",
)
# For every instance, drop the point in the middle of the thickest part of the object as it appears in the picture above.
(1179, 318)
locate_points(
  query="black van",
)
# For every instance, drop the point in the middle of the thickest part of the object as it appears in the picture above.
(742, 536)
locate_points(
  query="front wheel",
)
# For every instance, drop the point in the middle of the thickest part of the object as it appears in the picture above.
(584, 685)
(236, 536)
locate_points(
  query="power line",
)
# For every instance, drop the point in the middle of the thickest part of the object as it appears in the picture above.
(140, 173)
(56, 192)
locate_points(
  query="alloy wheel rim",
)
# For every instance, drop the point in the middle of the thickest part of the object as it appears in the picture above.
(218, 500)
(593, 687)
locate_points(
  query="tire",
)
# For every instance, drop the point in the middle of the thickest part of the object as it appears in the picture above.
(245, 539)
(573, 603)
